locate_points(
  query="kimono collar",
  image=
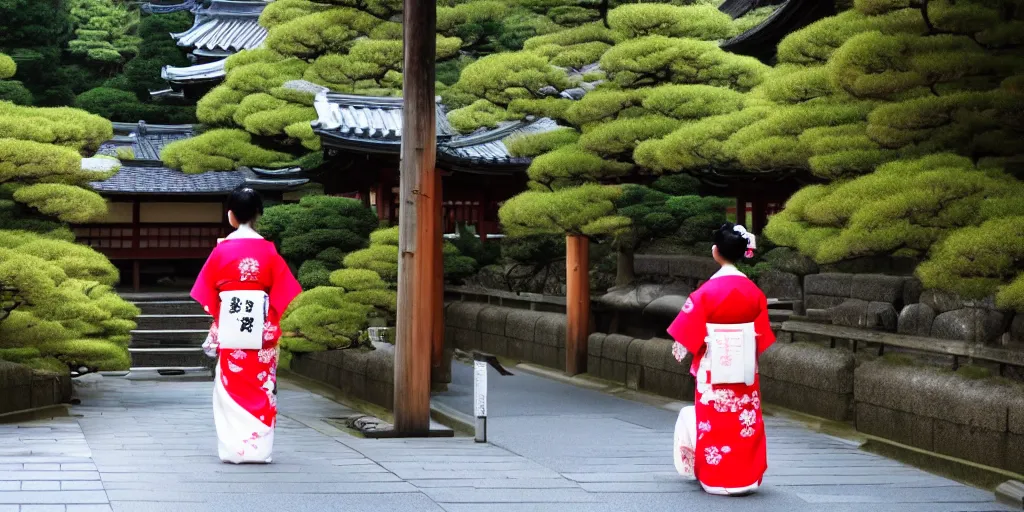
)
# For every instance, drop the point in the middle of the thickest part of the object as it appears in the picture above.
(243, 231)
(728, 270)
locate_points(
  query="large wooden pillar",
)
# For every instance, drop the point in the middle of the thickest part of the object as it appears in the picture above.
(741, 209)
(437, 273)
(577, 303)
(419, 241)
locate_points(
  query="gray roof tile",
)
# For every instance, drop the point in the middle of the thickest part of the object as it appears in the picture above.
(211, 71)
(224, 28)
(132, 179)
(166, 8)
(374, 124)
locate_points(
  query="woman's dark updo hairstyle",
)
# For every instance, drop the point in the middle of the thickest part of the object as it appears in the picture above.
(731, 246)
(246, 204)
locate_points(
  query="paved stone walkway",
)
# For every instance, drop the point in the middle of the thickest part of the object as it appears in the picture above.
(150, 446)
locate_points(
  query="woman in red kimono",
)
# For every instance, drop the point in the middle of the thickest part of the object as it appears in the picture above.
(721, 439)
(244, 266)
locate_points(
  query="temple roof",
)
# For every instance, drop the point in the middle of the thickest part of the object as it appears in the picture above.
(168, 7)
(208, 72)
(792, 15)
(368, 124)
(145, 173)
(224, 28)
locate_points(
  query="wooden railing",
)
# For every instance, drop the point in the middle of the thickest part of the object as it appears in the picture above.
(150, 241)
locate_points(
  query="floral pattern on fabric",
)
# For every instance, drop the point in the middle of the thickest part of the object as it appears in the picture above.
(686, 455)
(249, 269)
(712, 455)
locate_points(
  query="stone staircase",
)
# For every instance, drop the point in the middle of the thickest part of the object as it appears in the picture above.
(169, 337)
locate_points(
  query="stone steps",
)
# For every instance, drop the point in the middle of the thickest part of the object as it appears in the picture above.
(170, 307)
(168, 337)
(172, 322)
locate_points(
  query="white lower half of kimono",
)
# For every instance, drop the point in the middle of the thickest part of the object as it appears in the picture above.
(241, 437)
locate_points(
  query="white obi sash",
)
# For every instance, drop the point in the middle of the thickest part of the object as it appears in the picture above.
(242, 316)
(732, 350)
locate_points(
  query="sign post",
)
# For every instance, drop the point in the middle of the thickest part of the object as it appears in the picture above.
(481, 361)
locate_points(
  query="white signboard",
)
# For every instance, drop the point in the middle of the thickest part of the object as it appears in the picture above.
(480, 388)
(242, 315)
(732, 350)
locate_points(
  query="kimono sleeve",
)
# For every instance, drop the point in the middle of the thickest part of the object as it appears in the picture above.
(690, 328)
(763, 328)
(285, 287)
(204, 291)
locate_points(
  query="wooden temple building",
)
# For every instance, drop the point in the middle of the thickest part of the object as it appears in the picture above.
(161, 219)
(362, 136)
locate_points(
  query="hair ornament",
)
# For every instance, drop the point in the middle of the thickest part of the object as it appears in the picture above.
(749, 237)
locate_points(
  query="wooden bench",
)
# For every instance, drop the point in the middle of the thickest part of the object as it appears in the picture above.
(954, 348)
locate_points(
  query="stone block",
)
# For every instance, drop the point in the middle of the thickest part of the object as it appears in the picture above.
(633, 376)
(693, 267)
(916, 320)
(466, 339)
(551, 330)
(517, 349)
(1017, 328)
(463, 314)
(851, 313)
(545, 355)
(491, 320)
(1016, 413)
(790, 261)
(817, 402)
(652, 353)
(780, 285)
(647, 293)
(665, 307)
(593, 364)
(971, 443)
(1015, 453)
(677, 385)
(494, 344)
(812, 301)
(810, 366)
(645, 265)
(595, 342)
(634, 354)
(45, 391)
(941, 301)
(829, 285)
(380, 365)
(623, 298)
(878, 288)
(926, 391)
(354, 361)
(522, 325)
(970, 324)
(902, 427)
(616, 347)
(912, 290)
(882, 315)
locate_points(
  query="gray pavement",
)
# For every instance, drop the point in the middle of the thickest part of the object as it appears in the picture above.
(150, 446)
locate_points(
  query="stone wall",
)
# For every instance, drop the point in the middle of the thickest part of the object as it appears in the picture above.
(22, 389)
(367, 375)
(980, 420)
(802, 377)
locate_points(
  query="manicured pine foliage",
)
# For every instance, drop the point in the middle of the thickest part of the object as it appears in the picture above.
(58, 311)
(932, 87)
(660, 67)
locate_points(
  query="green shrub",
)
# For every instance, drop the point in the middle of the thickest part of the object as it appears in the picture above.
(317, 223)
(220, 150)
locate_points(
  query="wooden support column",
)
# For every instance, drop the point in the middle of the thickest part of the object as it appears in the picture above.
(759, 216)
(577, 303)
(437, 275)
(741, 209)
(418, 243)
(136, 237)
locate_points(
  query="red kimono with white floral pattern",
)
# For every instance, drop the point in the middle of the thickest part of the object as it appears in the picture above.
(730, 450)
(245, 403)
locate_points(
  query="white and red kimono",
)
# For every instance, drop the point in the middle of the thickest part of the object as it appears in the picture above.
(245, 387)
(722, 440)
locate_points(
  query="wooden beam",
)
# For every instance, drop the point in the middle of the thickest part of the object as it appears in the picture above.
(577, 303)
(741, 209)
(418, 239)
(437, 275)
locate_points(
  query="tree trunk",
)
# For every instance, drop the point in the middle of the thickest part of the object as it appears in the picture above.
(577, 303)
(625, 274)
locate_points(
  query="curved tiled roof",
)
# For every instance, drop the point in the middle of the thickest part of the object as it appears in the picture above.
(224, 28)
(209, 72)
(145, 173)
(152, 8)
(762, 40)
(374, 125)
